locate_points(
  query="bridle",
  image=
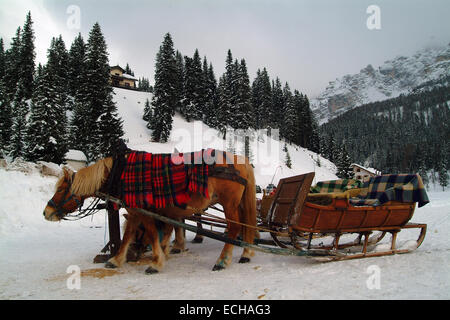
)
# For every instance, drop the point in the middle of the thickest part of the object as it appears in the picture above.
(59, 208)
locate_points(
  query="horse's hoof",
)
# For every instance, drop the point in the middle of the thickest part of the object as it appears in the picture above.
(151, 270)
(244, 260)
(218, 267)
(175, 251)
(197, 240)
(110, 265)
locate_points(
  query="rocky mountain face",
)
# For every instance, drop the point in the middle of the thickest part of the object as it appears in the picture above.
(401, 75)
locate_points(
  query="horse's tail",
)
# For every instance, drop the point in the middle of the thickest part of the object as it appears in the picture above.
(248, 206)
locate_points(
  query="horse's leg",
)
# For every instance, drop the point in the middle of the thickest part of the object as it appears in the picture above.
(129, 234)
(248, 236)
(178, 245)
(167, 232)
(198, 238)
(159, 258)
(231, 213)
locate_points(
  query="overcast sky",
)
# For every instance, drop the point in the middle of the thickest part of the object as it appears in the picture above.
(306, 43)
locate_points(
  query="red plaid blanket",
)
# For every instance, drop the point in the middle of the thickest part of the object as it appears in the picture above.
(152, 181)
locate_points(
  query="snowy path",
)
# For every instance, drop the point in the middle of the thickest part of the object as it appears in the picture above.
(35, 258)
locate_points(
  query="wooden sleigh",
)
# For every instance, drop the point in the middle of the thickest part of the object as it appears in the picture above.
(298, 218)
(300, 222)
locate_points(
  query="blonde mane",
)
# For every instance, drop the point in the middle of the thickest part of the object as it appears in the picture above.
(90, 179)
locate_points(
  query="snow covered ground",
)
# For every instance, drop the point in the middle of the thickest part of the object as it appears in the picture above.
(38, 257)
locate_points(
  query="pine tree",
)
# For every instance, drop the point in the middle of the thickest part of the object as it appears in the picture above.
(128, 70)
(46, 135)
(80, 129)
(210, 109)
(193, 88)
(2, 60)
(188, 109)
(422, 170)
(12, 66)
(243, 114)
(165, 95)
(227, 93)
(102, 122)
(315, 137)
(110, 128)
(288, 161)
(442, 169)
(148, 113)
(76, 65)
(443, 177)
(5, 120)
(262, 100)
(343, 164)
(19, 123)
(330, 149)
(299, 135)
(27, 56)
(179, 81)
(277, 105)
(57, 67)
(144, 85)
(289, 128)
(223, 105)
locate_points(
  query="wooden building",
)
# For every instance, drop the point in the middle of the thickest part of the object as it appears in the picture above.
(121, 79)
(362, 173)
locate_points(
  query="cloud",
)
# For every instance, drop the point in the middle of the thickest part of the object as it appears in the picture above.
(13, 14)
(304, 42)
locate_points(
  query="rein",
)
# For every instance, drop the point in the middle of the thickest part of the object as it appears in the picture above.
(92, 209)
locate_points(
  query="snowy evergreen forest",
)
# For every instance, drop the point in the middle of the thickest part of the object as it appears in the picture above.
(67, 103)
(410, 133)
(45, 110)
(188, 85)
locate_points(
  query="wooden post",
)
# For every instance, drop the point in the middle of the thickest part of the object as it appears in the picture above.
(114, 230)
(114, 236)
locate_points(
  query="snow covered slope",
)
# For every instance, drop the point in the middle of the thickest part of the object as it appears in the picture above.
(268, 155)
(397, 76)
(38, 258)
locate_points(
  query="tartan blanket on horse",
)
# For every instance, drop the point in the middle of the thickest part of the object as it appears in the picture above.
(399, 187)
(153, 181)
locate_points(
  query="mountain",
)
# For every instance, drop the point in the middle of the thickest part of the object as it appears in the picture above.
(409, 133)
(426, 68)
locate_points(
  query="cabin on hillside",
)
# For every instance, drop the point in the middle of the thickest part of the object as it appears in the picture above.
(362, 173)
(120, 79)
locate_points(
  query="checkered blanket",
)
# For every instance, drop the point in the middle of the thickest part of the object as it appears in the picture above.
(152, 181)
(401, 187)
(333, 186)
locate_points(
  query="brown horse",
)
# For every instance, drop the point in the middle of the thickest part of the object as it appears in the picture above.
(238, 201)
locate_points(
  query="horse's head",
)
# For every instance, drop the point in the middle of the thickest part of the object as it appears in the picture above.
(64, 201)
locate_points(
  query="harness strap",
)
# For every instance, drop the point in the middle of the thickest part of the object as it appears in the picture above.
(227, 173)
